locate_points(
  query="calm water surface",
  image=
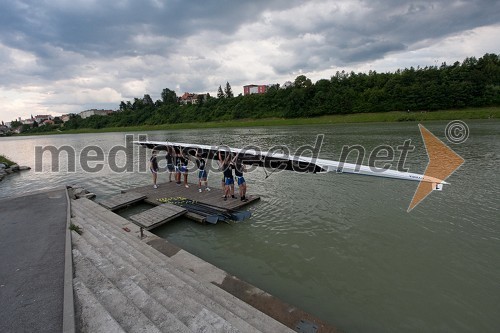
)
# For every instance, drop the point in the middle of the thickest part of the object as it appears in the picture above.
(340, 246)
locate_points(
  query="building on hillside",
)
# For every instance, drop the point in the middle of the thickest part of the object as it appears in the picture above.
(47, 122)
(93, 112)
(191, 98)
(28, 121)
(254, 89)
(287, 84)
(66, 117)
(42, 117)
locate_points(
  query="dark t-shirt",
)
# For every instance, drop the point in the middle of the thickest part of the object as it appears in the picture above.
(200, 163)
(227, 169)
(154, 162)
(238, 170)
(169, 158)
(178, 160)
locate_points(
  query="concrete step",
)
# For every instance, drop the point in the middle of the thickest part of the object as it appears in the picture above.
(210, 296)
(119, 276)
(206, 294)
(125, 313)
(149, 254)
(164, 289)
(92, 316)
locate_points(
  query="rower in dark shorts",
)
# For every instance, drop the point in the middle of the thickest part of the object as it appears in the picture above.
(170, 163)
(184, 169)
(227, 170)
(239, 168)
(202, 172)
(153, 166)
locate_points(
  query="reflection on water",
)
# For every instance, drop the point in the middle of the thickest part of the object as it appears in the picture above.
(339, 246)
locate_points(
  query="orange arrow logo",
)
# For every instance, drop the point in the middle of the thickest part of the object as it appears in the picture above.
(443, 161)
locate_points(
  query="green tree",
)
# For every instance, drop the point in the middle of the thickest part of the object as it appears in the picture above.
(147, 100)
(169, 96)
(220, 93)
(25, 128)
(228, 92)
(123, 106)
(302, 81)
(138, 104)
(15, 124)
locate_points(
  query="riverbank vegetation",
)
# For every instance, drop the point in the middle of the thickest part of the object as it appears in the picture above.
(417, 93)
(5, 160)
(469, 113)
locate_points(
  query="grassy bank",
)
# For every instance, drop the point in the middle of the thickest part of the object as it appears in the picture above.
(5, 160)
(396, 116)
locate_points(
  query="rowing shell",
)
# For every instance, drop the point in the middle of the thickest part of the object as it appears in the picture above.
(276, 160)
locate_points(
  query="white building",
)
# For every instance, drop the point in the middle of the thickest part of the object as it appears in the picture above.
(28, 121)
(88, 113)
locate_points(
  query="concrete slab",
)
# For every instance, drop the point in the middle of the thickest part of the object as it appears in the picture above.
(157, 216)
(32, 257)
(122, 200)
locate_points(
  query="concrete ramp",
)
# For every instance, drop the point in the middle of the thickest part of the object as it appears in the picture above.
(123, 284)
(32, 256)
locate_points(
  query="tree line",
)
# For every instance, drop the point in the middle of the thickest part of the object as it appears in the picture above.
(471, 83)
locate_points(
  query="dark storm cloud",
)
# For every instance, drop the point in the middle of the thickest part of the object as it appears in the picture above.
(359, 31)
(101, 51)
(106, 27)
(353, 31)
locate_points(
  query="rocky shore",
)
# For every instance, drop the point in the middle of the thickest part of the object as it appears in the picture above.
(77, 192)
(8, 169)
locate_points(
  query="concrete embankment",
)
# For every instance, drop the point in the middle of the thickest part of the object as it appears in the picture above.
(32, 256)
(103, 277)
(121, 283)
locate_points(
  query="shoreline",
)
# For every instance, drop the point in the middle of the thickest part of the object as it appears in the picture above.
(393, 116)
(7, 167)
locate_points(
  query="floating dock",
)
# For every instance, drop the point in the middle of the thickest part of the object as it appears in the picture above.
(157, 216)
(214, 197)
(122, 200)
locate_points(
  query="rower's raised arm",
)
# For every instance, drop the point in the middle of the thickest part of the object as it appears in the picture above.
(220, 158)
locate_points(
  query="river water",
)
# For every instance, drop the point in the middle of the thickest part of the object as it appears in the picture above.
(342, 247)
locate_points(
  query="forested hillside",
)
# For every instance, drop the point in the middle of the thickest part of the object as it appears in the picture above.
(471, 83)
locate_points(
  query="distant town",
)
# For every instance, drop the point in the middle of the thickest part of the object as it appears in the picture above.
(19, 125)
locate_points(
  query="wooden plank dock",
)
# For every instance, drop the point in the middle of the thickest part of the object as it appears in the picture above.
(157, 216)
(122, 200)
(172, 190)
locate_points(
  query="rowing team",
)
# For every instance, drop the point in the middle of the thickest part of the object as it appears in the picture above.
(228, 165)
(177, 163)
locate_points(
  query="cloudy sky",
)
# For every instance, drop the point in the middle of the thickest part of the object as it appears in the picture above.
(60, 56)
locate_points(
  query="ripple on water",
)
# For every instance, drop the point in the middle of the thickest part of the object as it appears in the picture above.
(340, 246)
